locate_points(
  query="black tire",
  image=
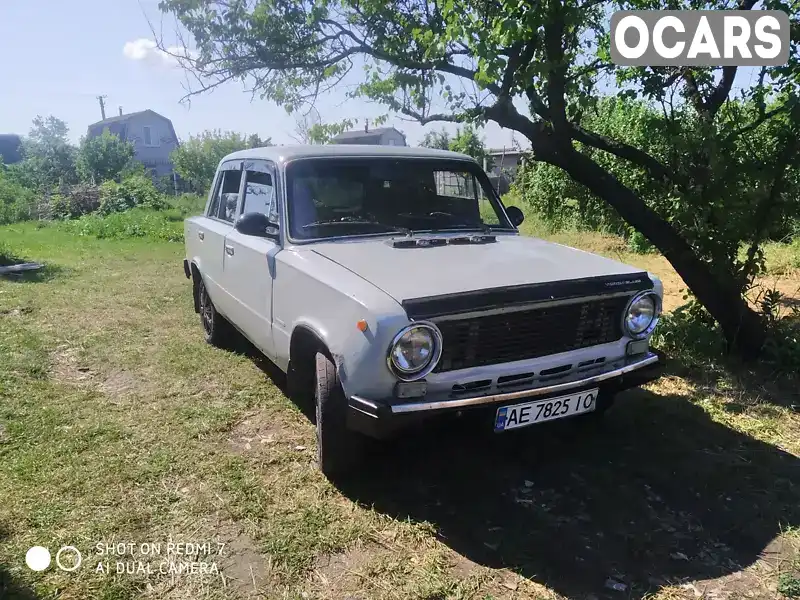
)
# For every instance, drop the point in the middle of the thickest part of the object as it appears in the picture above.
(338, 449)
(216, 329)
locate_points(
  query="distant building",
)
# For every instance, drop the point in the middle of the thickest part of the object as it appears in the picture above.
(152, 135)
(10, 148)
(505, 161)
(381, 136)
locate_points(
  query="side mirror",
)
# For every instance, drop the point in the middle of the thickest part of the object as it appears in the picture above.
(257, 224)
(516, 215)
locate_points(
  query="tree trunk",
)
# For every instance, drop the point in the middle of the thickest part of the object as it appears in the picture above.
(719, 294)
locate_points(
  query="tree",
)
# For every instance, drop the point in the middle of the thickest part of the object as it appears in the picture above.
(103, 157)
(467, 141)
(437, 139)
(48, 157)
(551, 56)
(254, 141)
(323, 133)
(197, 158)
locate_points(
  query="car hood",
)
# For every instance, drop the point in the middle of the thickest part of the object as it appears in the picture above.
(513, 260)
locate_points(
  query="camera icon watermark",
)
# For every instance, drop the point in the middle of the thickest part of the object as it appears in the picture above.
(68, 558)
(700, 38)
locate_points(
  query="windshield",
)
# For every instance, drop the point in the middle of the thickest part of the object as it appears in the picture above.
(340, 197)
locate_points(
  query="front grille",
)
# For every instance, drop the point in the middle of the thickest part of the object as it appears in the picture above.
(525, 334)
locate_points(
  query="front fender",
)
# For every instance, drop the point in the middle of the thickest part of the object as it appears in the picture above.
(319, 295)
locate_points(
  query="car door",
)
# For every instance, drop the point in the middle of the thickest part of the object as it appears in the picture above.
(218, 222)
(249, 261)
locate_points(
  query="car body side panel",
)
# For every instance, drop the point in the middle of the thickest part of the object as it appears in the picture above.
(205, 243)
(249, 267)
(310, 292)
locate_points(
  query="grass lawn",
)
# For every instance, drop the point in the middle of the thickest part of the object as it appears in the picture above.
(118, 424)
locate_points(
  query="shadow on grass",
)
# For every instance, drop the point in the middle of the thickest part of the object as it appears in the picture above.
(11, 589)
(242, 346)
(46, 273)
(655, 495)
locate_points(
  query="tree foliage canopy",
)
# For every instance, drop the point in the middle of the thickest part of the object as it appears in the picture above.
(48, 157)
(467, 141)
(197, 158)
(468, 61)
(103, 157)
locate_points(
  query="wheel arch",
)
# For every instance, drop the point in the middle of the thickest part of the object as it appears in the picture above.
(306, 340)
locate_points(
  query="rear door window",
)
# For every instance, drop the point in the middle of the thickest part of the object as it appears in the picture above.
(226, 195)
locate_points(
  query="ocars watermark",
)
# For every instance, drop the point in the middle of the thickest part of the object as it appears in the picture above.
(699, 37)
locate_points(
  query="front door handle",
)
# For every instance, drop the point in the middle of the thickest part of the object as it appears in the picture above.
(228, 250)
(201, 235)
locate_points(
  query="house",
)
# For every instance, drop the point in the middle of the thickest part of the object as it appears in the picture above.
(504, 161)
(152, 135)
(10, 148)
(381, 136)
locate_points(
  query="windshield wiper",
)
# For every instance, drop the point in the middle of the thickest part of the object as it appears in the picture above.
(345, 221)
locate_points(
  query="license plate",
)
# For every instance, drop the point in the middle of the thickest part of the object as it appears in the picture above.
(530, 413)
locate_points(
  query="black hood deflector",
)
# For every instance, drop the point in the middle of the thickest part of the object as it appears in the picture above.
(448, 304)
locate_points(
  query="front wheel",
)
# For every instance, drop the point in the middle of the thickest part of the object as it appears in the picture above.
(215, 328)
(338, 449)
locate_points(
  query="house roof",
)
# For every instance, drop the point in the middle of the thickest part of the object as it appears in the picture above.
(505, 151)
(126, 116)
(282, 154)
(118, 125)
(10, 146)
(372, 133)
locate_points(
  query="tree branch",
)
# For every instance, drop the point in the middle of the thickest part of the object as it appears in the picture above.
(625, 152)
(758, 122)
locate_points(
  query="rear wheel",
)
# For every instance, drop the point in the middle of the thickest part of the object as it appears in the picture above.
(338, 449)
(215, 328)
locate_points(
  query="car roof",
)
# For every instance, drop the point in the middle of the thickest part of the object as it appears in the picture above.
(280, 154)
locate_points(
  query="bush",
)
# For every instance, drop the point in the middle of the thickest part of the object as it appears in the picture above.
(135, 190)
(689, 334)
(189, 205)
(639, 244)
(8, 256)
(134, 223)
(17, 203)
(76, 201)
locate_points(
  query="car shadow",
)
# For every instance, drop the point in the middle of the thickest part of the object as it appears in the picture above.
(241, 345)
(655, 495)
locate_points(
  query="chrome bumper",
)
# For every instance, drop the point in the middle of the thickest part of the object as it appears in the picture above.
(630, 366)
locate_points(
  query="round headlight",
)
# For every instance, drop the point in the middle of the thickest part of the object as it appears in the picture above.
(642, 314)
(415, 351)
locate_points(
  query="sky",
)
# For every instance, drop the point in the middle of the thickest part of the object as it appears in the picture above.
(59, 55)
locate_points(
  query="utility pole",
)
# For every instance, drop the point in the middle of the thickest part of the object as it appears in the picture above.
(102, 106)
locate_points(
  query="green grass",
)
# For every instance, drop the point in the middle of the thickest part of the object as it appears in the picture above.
(118, 423)
(165, 225)
(8, 256)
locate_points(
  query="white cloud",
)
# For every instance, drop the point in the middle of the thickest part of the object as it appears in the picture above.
(146, 50)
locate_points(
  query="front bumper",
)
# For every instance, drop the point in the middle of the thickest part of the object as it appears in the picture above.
(382, 418)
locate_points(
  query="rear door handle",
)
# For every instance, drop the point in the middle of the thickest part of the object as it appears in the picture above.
(201, 235)
(228, 250)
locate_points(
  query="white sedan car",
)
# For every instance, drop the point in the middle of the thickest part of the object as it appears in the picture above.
(392, 285)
